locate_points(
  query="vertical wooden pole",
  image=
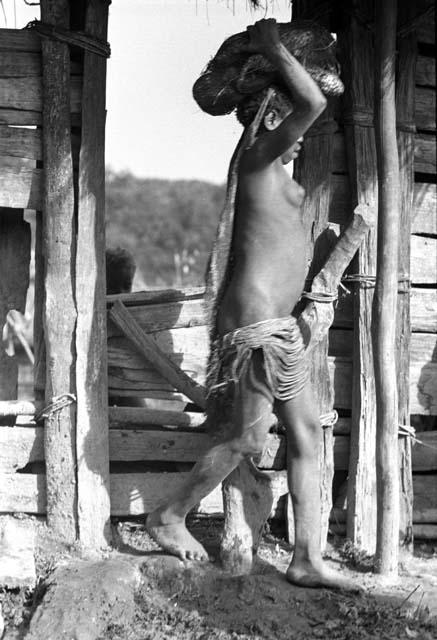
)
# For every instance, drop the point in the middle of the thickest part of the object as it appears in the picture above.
(405, 92)
(60, 250)
(356, 45)
(385, 302)
(91, 341)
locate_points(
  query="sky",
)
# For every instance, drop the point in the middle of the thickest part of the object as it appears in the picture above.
(158, 49)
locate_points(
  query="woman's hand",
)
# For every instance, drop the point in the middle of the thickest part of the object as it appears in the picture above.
(263, 36)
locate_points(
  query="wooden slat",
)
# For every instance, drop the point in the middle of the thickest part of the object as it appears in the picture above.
(425, 108)
(26, 64)
(22, 492)
(425, 71)
(425, 209)
(19, 40)
(190, 314)
(129, 376)
(423, 310)
(19, 446)
(20, 117)
(128, 417)
(16, 64)
(20, 142)
(423, 260)
(170, 315)
(20, 186)
(134, 494)
(423, 346)
(425, 452)
(22, 445)
(26, 94)
(425, 153)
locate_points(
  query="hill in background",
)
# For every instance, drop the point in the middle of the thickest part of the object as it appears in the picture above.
(167, 225)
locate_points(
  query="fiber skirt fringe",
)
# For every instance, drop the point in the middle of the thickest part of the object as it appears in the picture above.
(285, 366)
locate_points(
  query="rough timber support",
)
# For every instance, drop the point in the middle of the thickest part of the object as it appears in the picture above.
(405, 90)
(357, 65)
(60, 251)
(91, 341)
(386, 293)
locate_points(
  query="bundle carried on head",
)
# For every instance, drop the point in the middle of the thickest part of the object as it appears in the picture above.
(233, 73)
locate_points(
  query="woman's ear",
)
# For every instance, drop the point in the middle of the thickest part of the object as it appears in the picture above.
(271, 120)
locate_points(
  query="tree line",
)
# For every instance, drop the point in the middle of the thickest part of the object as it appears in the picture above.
(167, 225)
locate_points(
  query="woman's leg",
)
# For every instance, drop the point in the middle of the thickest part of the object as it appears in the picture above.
(252, 420)
(303, 445)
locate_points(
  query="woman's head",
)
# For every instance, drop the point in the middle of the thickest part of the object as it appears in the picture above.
(278, 108)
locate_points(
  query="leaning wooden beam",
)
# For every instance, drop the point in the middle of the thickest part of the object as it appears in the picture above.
(384, 328)
(405, 90)
(317, 317)
(356, 44)
(153, 354)
(59, 306)
(91, 343)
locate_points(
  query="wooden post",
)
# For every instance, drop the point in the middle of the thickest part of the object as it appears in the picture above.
(356, 43)
(91, 342)
(60, 251)
(385, 302)
(405, 93)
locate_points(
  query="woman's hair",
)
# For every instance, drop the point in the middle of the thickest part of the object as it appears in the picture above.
(248, 108)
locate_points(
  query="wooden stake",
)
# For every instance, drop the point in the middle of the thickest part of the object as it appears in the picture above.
(356, 44)
(60, 250)
(385, 302)
(405, 92)
(91, 342)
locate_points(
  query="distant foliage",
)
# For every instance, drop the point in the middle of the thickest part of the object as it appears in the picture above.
(167, 225)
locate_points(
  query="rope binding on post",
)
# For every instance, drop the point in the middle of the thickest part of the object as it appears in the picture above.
(73, 38)
(56, 404)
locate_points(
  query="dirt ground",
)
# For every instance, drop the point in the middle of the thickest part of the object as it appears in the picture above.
(138, 593)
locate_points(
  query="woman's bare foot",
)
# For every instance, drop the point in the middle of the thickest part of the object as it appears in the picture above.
(319, 576)
(175, 538)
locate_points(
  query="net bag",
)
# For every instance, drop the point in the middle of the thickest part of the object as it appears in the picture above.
(233, 73)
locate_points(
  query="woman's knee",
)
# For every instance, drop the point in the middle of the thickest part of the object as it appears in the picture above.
(304, 438)
(251, 442)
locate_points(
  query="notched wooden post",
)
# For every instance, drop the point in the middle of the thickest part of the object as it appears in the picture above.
(60, 251)
(91, 342)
